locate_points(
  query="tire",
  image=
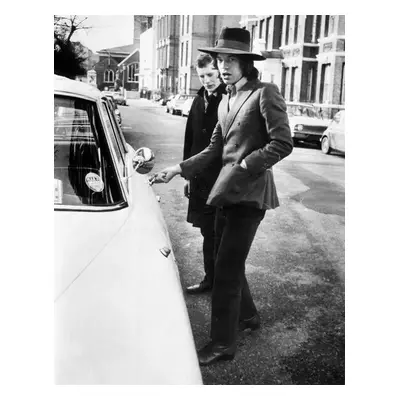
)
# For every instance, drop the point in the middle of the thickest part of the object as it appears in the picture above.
(167, 110)
(173, 112)
(325, 145)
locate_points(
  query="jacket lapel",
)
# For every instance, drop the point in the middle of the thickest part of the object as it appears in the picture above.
(240, 99)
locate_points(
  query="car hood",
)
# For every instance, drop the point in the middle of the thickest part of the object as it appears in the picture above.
(308, 121)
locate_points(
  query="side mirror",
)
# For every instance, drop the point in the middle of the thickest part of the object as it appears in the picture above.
(143, 160)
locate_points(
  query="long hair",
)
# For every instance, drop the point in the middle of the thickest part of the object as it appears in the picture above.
(248, 68)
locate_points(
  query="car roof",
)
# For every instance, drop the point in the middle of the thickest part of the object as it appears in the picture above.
(69, 86)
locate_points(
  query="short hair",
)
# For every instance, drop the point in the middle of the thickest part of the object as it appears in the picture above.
(204, 59)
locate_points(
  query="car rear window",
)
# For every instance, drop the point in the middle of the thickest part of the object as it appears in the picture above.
(84, 173)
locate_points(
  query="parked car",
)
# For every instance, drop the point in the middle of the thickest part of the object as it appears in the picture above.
(119, 98)
(334, 136)
(306, 122)
(120, 314)
(187, 105)
(163, 101)
(174, 106)
(113, 106)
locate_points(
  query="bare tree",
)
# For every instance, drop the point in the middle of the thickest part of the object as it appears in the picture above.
(66, 26)
(69, 56)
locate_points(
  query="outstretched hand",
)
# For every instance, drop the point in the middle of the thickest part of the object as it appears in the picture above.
(166, 174)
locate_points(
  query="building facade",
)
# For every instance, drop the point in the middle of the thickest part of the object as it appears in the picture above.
(177, 39)
(109, 70)
(305, 55)
(198, 31)
(147, 69)
(166, 31)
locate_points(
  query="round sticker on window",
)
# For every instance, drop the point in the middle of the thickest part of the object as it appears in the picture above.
(94, 182)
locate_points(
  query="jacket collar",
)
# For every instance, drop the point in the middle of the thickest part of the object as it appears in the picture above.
(221, 89)
(241, 96)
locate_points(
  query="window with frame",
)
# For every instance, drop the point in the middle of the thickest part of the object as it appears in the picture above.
(187, 53)
(181, 54)
(84, 174)
(110, 130)
(326, 29)
(132, 68)
(287, 29)
(268, 22)
(109, 75)
(296, 28)
(261, 27)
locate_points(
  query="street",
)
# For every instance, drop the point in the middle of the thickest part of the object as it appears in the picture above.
(295, 269)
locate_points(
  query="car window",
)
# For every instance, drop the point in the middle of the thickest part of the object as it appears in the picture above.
(118, 134)
(114, 143)
(84, 173)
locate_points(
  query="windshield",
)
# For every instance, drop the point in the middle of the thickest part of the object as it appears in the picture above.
(84, 173)
(303, 111)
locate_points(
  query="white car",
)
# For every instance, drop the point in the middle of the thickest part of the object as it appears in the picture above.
(306, 123)
(187, 105)
(334, 136)
(120, 314)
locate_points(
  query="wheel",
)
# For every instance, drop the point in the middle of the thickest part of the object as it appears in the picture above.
(173, 112)
(167, 110)
(325, 145)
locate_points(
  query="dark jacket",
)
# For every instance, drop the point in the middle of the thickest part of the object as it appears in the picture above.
(199, 128)
(256, 129)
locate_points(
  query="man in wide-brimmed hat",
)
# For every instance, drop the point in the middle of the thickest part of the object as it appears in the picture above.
(252, 135)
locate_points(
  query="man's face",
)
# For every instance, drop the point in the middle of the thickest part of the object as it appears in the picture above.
(229, 67)
(209, 77)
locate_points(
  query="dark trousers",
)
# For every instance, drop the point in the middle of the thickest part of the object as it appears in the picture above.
(211, 240)
(231, 298)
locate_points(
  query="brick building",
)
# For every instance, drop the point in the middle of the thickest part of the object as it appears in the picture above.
(108, 71)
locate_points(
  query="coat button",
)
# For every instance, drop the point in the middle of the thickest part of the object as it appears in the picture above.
(204, 130)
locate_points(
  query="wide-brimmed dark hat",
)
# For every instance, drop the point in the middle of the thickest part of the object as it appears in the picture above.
(233, 41)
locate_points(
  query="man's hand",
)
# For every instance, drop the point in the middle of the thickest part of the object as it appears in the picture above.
(166, 174)
(186, 189)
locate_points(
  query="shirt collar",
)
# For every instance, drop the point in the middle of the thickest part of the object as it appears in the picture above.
(240, 83)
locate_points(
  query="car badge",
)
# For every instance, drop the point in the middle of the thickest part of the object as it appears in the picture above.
(94, 182)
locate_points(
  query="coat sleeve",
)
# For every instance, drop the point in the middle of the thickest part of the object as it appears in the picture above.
(200, 161)
(273, 110)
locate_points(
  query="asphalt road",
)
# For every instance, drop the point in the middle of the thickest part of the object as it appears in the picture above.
(295, 268)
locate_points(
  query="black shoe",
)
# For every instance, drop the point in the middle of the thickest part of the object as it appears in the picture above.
(199, 288)
(212, 352)
(253, 323)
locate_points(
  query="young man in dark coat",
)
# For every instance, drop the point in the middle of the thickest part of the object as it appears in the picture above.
(203, 117)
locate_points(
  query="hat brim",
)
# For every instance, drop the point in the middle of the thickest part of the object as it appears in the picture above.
(226, 50)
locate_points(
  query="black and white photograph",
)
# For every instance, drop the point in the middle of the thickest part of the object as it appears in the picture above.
(199, 199)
